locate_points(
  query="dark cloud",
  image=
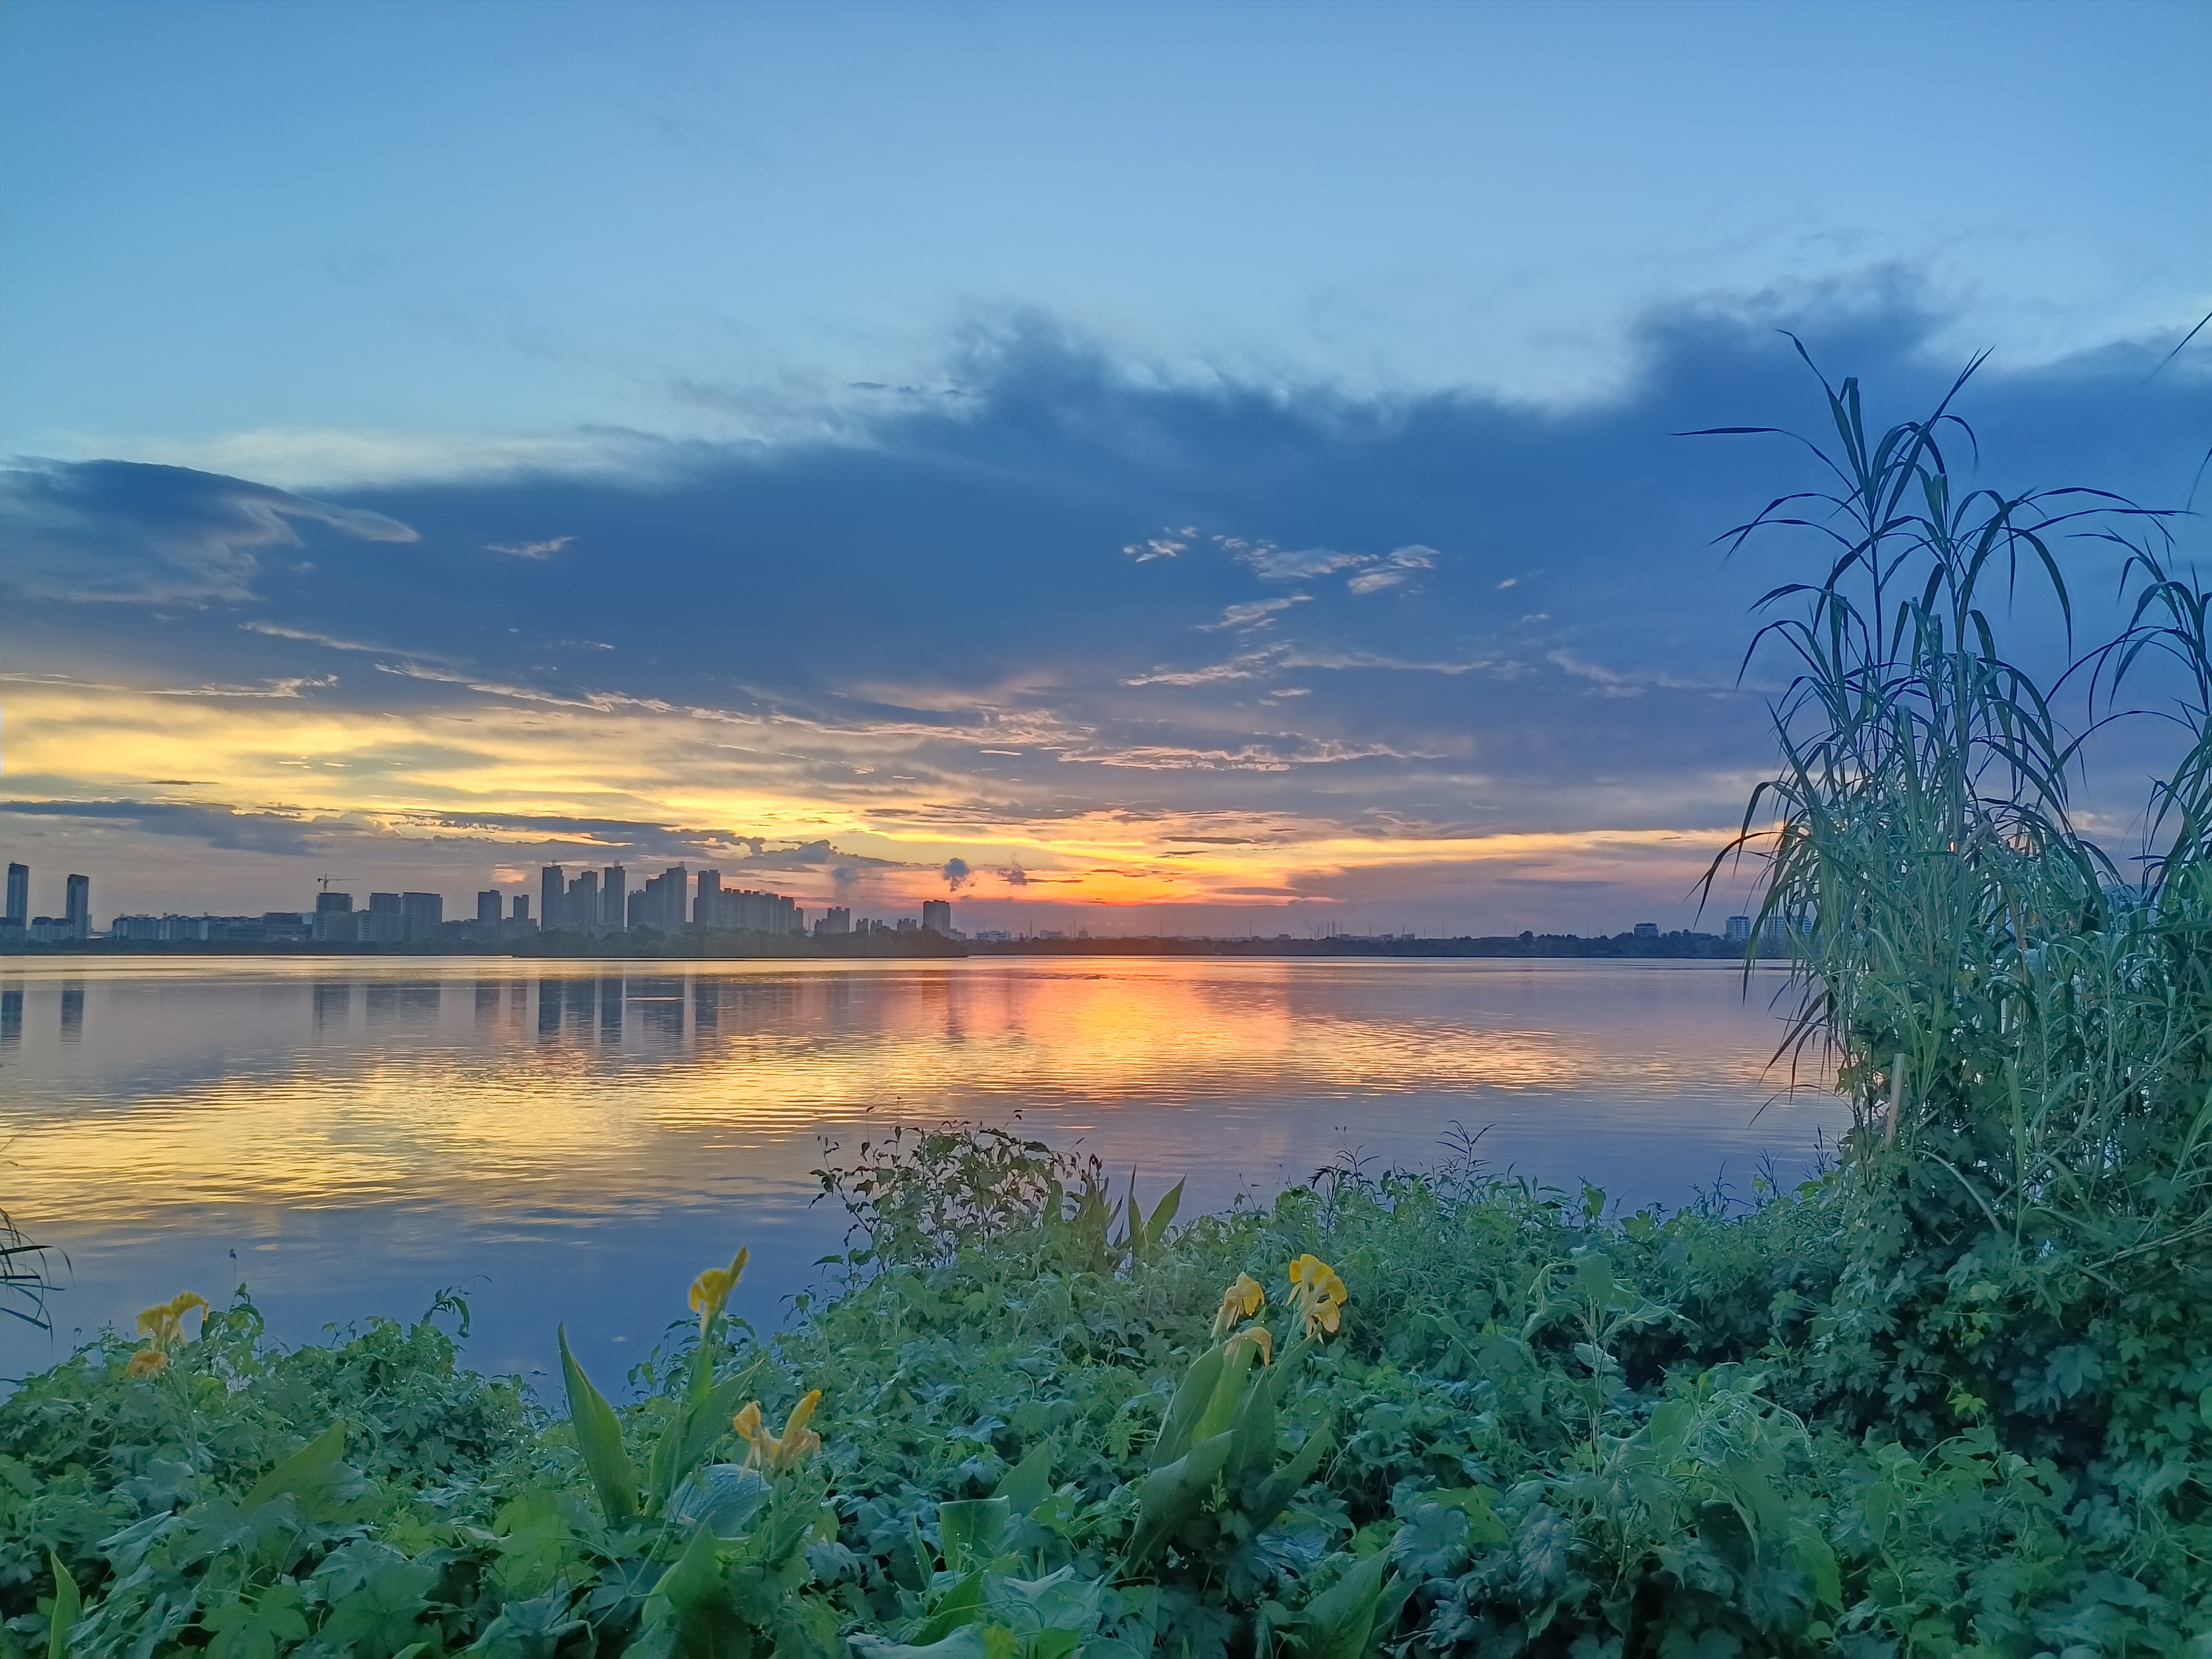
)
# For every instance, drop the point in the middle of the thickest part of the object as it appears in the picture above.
(114, 530)
(218, 827)
(1068, 589)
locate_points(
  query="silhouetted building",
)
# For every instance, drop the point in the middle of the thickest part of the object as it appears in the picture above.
(335, 921)
(614, 898)
(77, 906)
(19, 897)
(489, 906)
(740, 907)
(1647, 930)
(1738, 930)
(937, 913)
(579, 906)
(837, 918)
(521, 908)
(420, 915)
(385, 922)
(551, 888)
(659, 904)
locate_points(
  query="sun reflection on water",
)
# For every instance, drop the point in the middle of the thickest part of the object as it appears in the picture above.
(340, 1122)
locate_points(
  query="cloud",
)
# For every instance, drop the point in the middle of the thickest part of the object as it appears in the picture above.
(944, 640)
(545, 549)
(1253, 613)
(217, 827)
(1165, 546)
(115, 530)
(956, 873)
(1389, 571)
(319, 458)
(1274, 564)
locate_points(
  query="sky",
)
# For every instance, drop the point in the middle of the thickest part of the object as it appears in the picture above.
(1148, 468)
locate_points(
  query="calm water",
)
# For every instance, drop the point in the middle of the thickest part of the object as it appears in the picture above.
(565, 1142)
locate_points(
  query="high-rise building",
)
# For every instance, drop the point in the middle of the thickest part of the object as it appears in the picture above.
(335, 921)
(1647, 930)
(837, 918)
(1739, 930)
(421, 916)
(661, 903)
(552, 887)
(19, 897)
(741, 907)
(580, 907)
(614, 898)
(77, 906)
(937, 913)
(521, 908)
(489, 906)
(385, 923)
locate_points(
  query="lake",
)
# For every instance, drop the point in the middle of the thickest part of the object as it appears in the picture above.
(575, 1140)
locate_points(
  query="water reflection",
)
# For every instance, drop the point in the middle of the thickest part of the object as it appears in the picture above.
(565, 1139)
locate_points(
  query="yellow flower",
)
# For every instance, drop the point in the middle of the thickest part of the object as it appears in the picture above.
(1320, 1295)
(771, 1453)
(712, 1289)
(1240, 1301)
(163, 1323)
(147, 1362)
(1261, 1337)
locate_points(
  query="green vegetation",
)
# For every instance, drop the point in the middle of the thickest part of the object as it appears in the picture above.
(1954, 1397)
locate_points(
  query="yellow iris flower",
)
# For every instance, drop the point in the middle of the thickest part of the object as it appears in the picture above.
(147, 1362)
(1261, 1337)
(1240, 1301)
(1319, 1294)
(163, 1324)
(711, 1290)
(775, 1454)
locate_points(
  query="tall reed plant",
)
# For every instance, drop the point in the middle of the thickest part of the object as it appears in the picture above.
(2025, 1033)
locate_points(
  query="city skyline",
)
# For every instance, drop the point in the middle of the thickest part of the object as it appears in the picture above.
(589, 904)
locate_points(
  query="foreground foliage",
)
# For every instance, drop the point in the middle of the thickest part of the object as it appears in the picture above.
(1535, 1428)
(1955, 1397)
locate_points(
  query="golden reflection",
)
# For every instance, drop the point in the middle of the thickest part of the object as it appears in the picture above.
(566, 1094)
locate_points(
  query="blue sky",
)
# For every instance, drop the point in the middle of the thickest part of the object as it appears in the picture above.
(1176, 459)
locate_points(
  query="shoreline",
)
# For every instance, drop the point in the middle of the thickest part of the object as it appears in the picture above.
(720, 944)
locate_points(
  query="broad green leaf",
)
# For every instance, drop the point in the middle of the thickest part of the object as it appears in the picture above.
(1163, 1213)
(1167, 1497)
(252, 1630)
(959, 1606)
(722, 1498)
(317, 1475)
(1237, 1359)
(1340, 1620)
(966, 1642)
(1812, 1552)
(1269, 1498)
(1191, 1399)
(383, 1612)
(970, 1530)
(1028, 1482)
(598, 1437)
(68, 1608)
(1483, 1526)
(689, 1596)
